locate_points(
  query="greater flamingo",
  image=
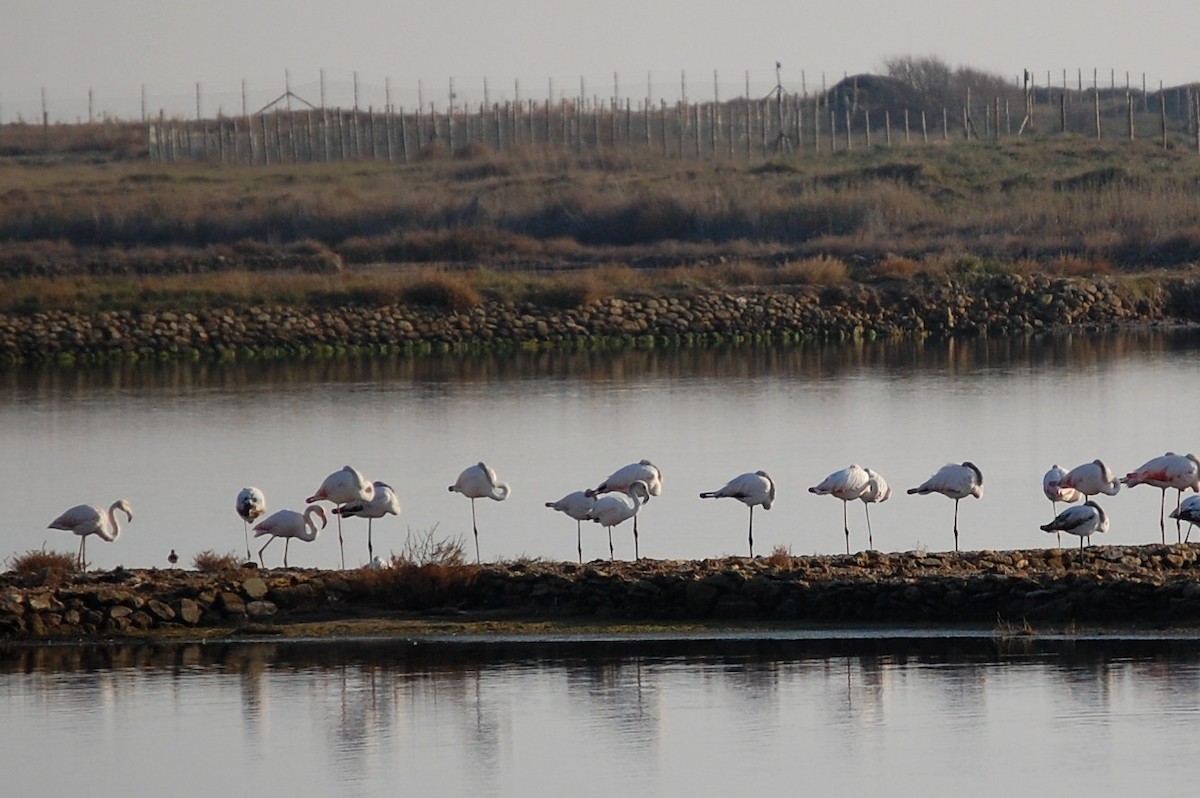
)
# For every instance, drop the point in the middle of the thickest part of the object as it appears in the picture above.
(1084, 521)
(87, 519)
(289, 524)
(576, 505)
(1188, 511)
(1090, 479)
(750, 489)
(250, 505)
(621, 479)
(877, 491)
(615, 508)
(477, 482)
(1054, 491)
(340, 488)
(383, 502)
(954, 482)
(848, 484)
(1178, 471)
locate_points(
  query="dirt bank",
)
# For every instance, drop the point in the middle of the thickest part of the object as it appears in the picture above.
(1148, 585)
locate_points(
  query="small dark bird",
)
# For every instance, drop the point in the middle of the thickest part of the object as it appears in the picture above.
(172, 558)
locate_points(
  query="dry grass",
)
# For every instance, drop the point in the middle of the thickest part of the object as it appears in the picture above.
(781, 557)
(210, 562)
(429, 572)
(447, 232)
(38, 567)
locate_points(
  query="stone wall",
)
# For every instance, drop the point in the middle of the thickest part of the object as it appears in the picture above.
(1002, 304)
(1104, 585)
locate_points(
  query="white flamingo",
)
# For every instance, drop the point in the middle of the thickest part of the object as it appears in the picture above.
(87, 519)
(1090, 479)
(1178, 471)
(383, 502)
(250, 505)
(576, 505)
(877, 491)
(478, 482)
(1084, 521)
(340, 488)
(848, 484)
(1054, 491)
(288, 524)
(621, 480)
(954, 482)
(750, 489)
(1188, 511)
(615, 508)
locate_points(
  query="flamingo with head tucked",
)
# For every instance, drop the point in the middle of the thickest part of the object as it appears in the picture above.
(848, 484)
(478, 482)
(1178, 471)
(1054, 491)
(1090, 479)
(620, 480)
(340, 488)
(577, 505)
(615, 508)
(87, 519)
(954, 481)
(751, 489)
(384, 501)
(288, 524)
(250, 506)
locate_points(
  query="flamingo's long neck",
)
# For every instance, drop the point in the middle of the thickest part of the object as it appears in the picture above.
(310, 526)
(113, 523)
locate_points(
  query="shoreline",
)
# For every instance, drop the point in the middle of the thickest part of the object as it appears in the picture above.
(1015, 594)
(915, 308)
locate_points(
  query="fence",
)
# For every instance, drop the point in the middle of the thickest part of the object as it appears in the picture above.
(861, 112)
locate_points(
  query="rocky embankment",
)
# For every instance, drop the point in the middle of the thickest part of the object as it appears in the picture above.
(1001, 304)
(1105, 585)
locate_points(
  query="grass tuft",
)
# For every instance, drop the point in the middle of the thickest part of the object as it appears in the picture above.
(209, 561)
(42, 568)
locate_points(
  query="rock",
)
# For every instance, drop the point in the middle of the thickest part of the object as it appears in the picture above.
(254, 588)
(261, 610)
(188, 611)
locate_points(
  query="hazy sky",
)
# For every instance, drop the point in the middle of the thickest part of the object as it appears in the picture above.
(117, 47)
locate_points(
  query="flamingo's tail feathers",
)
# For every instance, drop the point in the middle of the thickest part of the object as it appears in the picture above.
(708, 495)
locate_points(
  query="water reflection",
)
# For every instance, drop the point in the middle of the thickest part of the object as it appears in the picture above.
(587, 718)
(813, 360)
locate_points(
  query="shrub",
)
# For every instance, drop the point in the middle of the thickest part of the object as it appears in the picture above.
(209, 561)
(428, 572)
(781, 557)
(443, 291)
(38, 567)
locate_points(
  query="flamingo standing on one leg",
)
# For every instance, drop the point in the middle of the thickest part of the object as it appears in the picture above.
(1178, 471)
(954, 482)
(750, 489)
(848, 484)
(251, 504)
(288, 524)
(615, 508)
(383, 502)
(624, 477)
(576, 505)
(1188, 511)
(478, 482)
(87, 519)
(1053, 489)
(877, 491)
(1084, 521)
(340, 488)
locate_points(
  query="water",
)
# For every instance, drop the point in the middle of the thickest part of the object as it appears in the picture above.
(180, 440)
(860, 715)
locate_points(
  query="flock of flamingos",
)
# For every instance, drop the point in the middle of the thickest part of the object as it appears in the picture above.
(619, 498)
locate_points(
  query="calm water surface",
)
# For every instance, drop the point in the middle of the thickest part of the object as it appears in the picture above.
(684, 717)
(180, 440)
